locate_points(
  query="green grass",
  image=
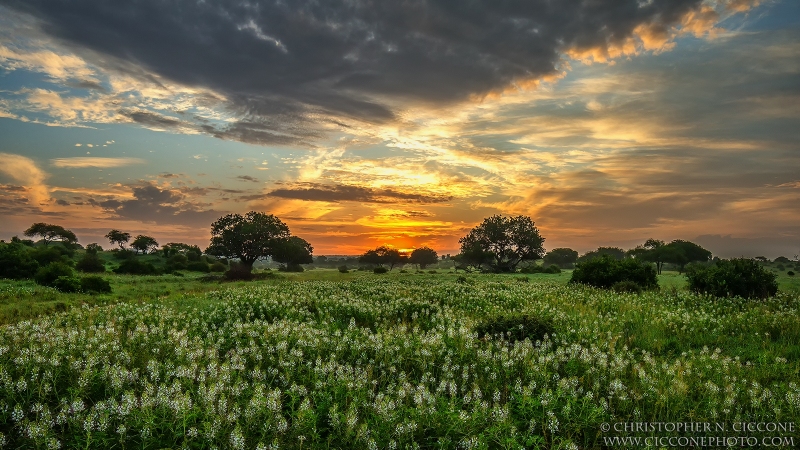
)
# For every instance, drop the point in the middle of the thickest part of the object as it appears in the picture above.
(402, 360)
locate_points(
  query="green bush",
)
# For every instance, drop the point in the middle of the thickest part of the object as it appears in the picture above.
(291, 268)
(380, 270)
(516, 327)
(738, 277)
(48, 274)
(790, 273)
(218, 267)
(626, 287)
(177, 262)
(239, 272)
(90, 263)
(94, 284)
(123, 254)
(16, 262)
(48, 255)
(605, 272)
(780, 267)
(344, 269)
(137, 267)
(552, 268)
(67, 284)
(198, 266)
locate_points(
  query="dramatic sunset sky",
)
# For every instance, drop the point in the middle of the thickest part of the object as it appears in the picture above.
(361, 123)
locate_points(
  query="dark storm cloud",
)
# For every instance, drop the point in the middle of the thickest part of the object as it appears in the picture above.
(162, 206)
(294, 64)
(339, 193)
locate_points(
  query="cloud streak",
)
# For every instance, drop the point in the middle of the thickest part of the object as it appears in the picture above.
(94, 161)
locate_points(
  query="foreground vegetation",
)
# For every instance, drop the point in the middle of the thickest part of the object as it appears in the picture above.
(323, 359)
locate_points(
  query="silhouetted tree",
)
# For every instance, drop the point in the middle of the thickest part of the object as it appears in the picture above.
(49, 232)
(144, 244)
(564, 258)
(248, 238)
(423, 256)
(118, 237)
(293, 251)
(509, 241)
(613, 252)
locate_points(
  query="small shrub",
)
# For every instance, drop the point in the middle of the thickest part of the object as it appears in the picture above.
(552, 268)
(291, 268)
(48, 255)
(740, 277)
(177, 262)
(780, 267)
(218, 267)
(380, 270)
(136, 267)
(239, 272)
(533, 268)
(48, 274)
(461, 279)
(790, 273)
(626, 287)
(605, 271)
(516, 327)
(198, 266)
(403, 271)
(95, 285)
(67, 284)
(432, 271)
(344, 269)
(93, 248)
(123, 254)
(90, 263)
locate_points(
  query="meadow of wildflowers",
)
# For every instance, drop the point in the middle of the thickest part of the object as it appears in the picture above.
(392, 363)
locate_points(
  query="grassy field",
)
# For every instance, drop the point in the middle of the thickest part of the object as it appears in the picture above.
(403, 360)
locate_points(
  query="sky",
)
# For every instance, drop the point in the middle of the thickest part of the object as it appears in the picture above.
(363, 123)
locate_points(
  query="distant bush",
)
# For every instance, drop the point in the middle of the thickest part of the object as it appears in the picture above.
(67, 284)
(94, 284)
(403, 271)
(780, 267)
(218, 267)
(552, 268)
(198, 266)
(90, 263)
(516, 327)
(123, 254)
(177, 262)
(136, 267)
(461, 279)
(738, 277)
(344, 269)
(48, 255)
(47, 275)
(533, 268)
(626, 287)
(380, 270)
(93, 248)
(16, 262)
(291, 268)
(605, 272)
(432, 271)
(790, 273)
(239, 272)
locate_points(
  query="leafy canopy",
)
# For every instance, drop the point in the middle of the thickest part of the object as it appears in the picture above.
(144, 244)
(424, 256)
(118, 237)
(248, 238)
(49, 232)
(502, 243)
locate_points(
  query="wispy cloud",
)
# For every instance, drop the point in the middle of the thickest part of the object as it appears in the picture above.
(94, 161)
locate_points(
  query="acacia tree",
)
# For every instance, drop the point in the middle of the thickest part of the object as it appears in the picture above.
(423, 256)
(383, 255)
(508, 240)
(247, 238)
(144, 244)
(49, 232)
(612, 252)
(680, 253)
(118, 237)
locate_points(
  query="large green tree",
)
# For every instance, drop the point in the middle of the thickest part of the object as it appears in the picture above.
(423, 256)
(612, 252)
(247, 238)
(508, 240)
(49, 232)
